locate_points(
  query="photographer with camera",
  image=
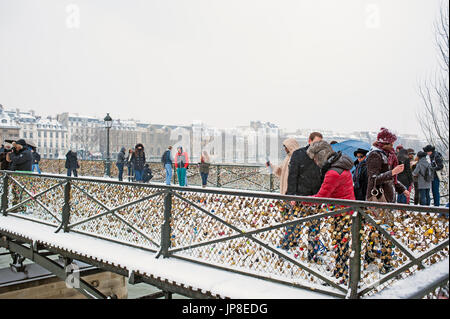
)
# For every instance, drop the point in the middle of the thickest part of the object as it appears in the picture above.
(4, 164)
(20, 158)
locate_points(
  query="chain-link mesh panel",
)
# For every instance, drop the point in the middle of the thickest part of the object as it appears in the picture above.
(45, 207)
(274, 251)
(380, 255)
(243, 177)
(137, 221)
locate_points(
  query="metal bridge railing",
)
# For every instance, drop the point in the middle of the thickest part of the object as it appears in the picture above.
(240, 176)
(338, 247)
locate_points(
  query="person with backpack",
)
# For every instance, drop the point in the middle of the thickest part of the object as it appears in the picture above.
(167, 160)
(425, 175)
(72, 163)
(204, 164)
(437, 164)
(121, 162)
(36, 159)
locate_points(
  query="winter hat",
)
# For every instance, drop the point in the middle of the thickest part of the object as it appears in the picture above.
(360, 151)
(428, 148)
(385, 136)
(320, 151)
(421, 154)
(411, 151)
(399, 147)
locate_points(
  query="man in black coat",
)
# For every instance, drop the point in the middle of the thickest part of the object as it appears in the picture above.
(304, 177)
(360, 174)
(71, 163)
(404, 177)
(20, 158)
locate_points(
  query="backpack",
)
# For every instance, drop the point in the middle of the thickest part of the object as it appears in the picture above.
(428, 177)
(163, 158)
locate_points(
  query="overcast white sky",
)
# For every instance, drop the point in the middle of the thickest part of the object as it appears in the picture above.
(342, 65)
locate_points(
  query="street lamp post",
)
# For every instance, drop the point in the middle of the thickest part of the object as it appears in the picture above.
(108, 124)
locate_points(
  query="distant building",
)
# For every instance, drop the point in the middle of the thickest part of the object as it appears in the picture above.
(249, 144)
(9, 128)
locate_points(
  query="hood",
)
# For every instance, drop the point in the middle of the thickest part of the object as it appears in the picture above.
(123, 149)
(291, 144)
(343, 161)
(320, 151)
(139, 144)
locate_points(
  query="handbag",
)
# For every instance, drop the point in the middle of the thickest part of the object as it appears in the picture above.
(375, 193)
(379, 213)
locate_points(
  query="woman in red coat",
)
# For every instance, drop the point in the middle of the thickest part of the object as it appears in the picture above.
(337, 183)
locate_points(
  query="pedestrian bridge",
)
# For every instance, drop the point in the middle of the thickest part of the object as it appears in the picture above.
(216, 243)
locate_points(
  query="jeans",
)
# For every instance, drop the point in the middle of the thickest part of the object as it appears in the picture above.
(425, 196)
(70, 170)
(401, 198)
(138, 174)
(120, 168)
(130, 173)
(181, 172)
(416, 193)
(168, 168)
(33, 166)
(204, 178)
(435, 190)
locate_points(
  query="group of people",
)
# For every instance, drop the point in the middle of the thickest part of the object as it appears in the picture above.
(19, 156)
(421, 171)
(380, 172)
(139, 170)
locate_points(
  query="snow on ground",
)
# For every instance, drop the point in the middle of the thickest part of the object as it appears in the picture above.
(419, 280)
(224, 283)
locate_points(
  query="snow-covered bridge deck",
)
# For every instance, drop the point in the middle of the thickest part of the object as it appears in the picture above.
(210, 281)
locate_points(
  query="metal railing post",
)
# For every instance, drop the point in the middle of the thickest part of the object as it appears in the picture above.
(355, 257)
(5, 195)
(218, 176)
(271, 182)
(174, 174)
(66, 207)
(165, 227)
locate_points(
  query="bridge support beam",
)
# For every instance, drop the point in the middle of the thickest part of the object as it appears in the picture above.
(61, 272)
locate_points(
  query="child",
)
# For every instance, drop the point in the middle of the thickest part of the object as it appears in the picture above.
(147, 174)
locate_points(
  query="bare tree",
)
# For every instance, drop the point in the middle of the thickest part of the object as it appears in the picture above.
(434, 116)
(87, 138)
